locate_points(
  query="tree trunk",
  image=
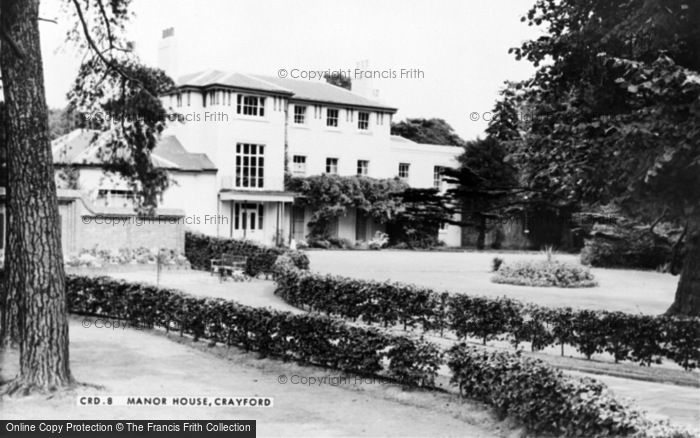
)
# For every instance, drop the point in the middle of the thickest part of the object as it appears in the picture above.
(36, 277)
(687, 301)
(481, 229)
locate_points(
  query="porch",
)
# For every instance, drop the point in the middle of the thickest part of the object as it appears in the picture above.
(262, 216)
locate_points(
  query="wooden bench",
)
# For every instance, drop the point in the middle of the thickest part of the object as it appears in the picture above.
(229, 266)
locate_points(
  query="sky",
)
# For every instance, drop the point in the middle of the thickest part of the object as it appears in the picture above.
(457, 49)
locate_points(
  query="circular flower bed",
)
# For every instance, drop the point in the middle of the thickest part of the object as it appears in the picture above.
(547, 273)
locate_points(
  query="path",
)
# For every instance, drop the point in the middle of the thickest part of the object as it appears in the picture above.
(130, 362)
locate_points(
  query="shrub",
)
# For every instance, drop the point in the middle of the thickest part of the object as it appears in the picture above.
(613, 246)
(642, 338)
(200, 249)
(496, 263)
(306, 338)
(545, 273)
(538, 395)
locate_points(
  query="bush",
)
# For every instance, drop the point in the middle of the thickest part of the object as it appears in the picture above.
(641, 338)
(545, 273)
(538, 395)
(614, 246)
(200, 249)
(527, 390)
(496, 264)
(311, 339)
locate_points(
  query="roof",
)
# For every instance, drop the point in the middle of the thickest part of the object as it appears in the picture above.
(297, 89)
(81, 147)
(231, 79)
(322, 91)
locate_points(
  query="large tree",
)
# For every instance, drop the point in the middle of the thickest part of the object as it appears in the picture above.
(33, 302)
(36, 278)
(614, 113)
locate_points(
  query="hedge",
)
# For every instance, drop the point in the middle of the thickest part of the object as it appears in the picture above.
(200, 249)
(543, 399)
(641, 338)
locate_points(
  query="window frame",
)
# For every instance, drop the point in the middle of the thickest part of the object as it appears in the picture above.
(249, 166)
(362, 164)
(362, 125)
(300, 115)
(332, 121)
(407, 170)
(330, 163)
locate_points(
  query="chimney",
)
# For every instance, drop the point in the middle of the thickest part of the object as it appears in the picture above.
(167, 53)
(362, 85)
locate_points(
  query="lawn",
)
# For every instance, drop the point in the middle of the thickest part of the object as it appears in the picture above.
(470, 272)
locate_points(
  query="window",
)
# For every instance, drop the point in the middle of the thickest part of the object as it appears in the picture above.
(362, 121)
(437, 177)
(362, 167)
(250, 165)
(115, 198)
(250, 105)
(403, 170)
(299, 165)
(332, 166)
(332, 117)
(299, 114)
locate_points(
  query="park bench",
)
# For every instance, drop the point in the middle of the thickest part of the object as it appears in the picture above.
(229, 266)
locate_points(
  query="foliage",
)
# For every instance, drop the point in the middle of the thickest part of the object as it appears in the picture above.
(496, 264)
(418, 221)
(200, 249)
(529, 391)
(485, 185)
(342, 81)
(307, 339)
(543, 273)
(97, 258)
(640, 338)
(330, 196)
(126, 94)
(427, 131)
(615, 108)
(538, 395)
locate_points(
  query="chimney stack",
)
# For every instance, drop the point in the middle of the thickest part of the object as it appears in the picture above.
(167, 53)
(364, 86)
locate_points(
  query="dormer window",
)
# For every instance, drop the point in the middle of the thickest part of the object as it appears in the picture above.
(250, 105)
(362, 121)
(332, 117)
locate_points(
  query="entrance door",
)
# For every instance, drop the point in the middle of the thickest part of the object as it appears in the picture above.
(248, 221)
(360, 226)
(298, 225)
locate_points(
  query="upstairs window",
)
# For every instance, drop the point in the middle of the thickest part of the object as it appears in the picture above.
(404, 170)
(332, 166)
(250, 165)
(362, 167)
(362, 121)
(250, 105)
(299, 165)
(332, 117)
(299, 114)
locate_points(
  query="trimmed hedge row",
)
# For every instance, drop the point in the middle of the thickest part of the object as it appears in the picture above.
(200, 249)
(543, 399)
(307, 339)
(641, 338)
